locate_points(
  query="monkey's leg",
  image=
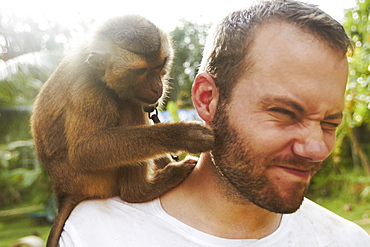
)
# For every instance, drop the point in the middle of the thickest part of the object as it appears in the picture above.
(136, 187)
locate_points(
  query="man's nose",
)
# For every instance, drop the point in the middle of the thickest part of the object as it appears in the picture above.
(311, 144)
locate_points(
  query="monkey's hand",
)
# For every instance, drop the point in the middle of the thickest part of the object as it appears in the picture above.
(191, 137)
(183, 167)
(162, 181)
(176, 172)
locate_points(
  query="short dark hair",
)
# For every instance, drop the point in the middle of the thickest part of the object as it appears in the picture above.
(226, 51)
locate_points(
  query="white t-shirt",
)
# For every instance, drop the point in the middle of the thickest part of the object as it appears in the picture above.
(113, 222)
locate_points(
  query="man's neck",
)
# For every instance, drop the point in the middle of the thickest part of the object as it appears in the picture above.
(200, 203)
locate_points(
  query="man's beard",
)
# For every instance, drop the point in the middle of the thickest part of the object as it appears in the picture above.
(243, 170)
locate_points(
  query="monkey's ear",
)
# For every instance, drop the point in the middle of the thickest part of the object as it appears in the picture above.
(205, 96)
(97, 60)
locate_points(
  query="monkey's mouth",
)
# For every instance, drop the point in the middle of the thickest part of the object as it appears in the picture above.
(150, 96)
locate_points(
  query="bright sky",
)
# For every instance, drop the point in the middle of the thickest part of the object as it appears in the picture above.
(165, 13)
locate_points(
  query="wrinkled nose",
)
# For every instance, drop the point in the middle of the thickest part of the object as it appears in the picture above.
(312, 145)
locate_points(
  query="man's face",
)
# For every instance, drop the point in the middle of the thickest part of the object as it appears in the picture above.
(280, 122)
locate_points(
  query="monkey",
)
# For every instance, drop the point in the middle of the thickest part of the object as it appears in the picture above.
(90, 130)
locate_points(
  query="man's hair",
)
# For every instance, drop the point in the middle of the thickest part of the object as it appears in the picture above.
(226, 52)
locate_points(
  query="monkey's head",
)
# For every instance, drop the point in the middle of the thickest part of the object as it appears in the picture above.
(134, 58)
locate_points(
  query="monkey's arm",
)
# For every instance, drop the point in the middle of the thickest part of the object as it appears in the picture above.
(116, 146)
(98, 140)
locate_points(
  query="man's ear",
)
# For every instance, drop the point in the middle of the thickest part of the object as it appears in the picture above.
(205, 96)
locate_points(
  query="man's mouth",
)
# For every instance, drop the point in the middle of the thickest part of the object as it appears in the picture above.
(290, 173)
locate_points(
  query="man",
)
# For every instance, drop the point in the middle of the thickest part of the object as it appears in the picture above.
(272, 84)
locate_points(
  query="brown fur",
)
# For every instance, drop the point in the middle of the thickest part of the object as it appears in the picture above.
(90, 131)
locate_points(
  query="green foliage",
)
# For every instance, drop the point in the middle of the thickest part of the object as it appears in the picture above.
(356, 120)
(346, 184)
(20, 80)
(172, 109)
(189, 40)
(346, 192)
(357, 24)
(18, 226)
(21, 176)
(22, 77)
(25, 64)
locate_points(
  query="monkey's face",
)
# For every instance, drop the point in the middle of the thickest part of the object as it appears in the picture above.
(149, 85)
(136, 77)
(134, 56)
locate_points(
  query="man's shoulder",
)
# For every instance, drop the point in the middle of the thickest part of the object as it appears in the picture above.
(113, 221)
(319, 220)
(313, 211)
(109, 208)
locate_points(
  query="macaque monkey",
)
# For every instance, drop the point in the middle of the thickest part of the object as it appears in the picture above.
(91, 133)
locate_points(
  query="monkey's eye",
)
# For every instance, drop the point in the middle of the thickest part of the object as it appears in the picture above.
(140, 71)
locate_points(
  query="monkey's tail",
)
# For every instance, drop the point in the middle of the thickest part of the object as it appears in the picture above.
(56, 230)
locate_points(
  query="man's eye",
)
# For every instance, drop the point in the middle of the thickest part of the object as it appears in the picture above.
(329, 125)
(283, 111)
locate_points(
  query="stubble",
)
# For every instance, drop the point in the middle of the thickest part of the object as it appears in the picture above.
(242, 170)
